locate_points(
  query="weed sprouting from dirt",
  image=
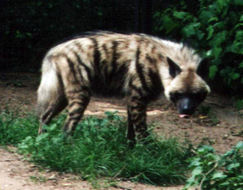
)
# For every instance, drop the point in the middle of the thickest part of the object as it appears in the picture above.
(98, 148)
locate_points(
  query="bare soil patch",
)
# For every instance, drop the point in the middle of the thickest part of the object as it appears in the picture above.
(222, 128)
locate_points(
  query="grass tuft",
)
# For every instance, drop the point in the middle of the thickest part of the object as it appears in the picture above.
(98, 148)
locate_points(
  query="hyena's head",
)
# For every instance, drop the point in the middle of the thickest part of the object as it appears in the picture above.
(185, 88)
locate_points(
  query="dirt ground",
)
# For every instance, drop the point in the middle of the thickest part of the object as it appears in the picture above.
(222, 128)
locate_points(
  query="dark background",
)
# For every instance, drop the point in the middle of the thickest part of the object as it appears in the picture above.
(30, 28)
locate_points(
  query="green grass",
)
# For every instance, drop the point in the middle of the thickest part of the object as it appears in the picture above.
(98, 148)
(14, 129)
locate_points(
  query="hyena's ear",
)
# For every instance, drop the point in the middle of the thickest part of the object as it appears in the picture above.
(174, 69)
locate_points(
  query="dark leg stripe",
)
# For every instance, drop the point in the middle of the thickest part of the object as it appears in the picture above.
(96, 53)
(130, 129)
(136, 99)
(46, 114)
(81, 100)
(77, 67)
(136, 89)
(76, 91)
(75, 117)
(76, 111)
(151, 60)
(105, 49)
(139, 70)
(156, 82)
(114, 56)
(75, 102)
(72, 69)
(81, 89)
(87, 69)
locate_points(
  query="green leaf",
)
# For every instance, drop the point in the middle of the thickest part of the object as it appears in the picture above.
(180, 14)
(200, 35)
(239, 36)
(239, 25)
(195, 162)
(207, 17)
(235, 76)
(190, 29)
(218, 38)
(212, 71)
(233, 166)
(209, 53)
(197, 171)
(218, 175)
(238, 2)
(219, 25)
(213, 19)
(222, 4)
(157, 14)
(225, 184)
(168, 24)
(217, 51)
(210, 30)
(241, 18)
(191, 181)
(239, 145)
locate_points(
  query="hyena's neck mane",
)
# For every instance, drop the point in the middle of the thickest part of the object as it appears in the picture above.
(184, 56)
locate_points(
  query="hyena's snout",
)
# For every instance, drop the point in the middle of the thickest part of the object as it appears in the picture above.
(186, 106)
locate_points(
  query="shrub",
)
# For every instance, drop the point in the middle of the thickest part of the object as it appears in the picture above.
(211, 171)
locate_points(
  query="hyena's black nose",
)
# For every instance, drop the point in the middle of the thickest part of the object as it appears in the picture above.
(185, 106)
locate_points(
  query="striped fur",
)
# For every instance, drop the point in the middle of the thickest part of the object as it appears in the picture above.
(112, 64)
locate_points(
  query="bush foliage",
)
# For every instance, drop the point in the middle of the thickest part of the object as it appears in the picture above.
(215, 29)
(212, 171)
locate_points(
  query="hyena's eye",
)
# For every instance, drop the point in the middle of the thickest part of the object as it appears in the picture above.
(175, 96)
(198, 97)
(174, 69)
(202, 95)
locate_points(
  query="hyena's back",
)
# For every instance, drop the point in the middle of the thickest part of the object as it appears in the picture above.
(108, 64)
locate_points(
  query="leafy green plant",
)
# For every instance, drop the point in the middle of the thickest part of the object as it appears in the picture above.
(212, 171)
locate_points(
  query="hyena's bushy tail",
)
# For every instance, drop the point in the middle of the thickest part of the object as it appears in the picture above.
(50, 87)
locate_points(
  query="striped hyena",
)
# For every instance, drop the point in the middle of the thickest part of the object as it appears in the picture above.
(137, 66)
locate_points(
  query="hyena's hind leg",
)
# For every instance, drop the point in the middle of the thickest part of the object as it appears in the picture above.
(78, 98)
(53, 109)
(51, 99)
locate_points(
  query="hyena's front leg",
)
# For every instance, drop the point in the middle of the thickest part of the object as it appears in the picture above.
(136, 111)
(78, 100)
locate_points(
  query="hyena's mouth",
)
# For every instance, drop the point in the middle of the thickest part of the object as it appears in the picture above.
(184, 115)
